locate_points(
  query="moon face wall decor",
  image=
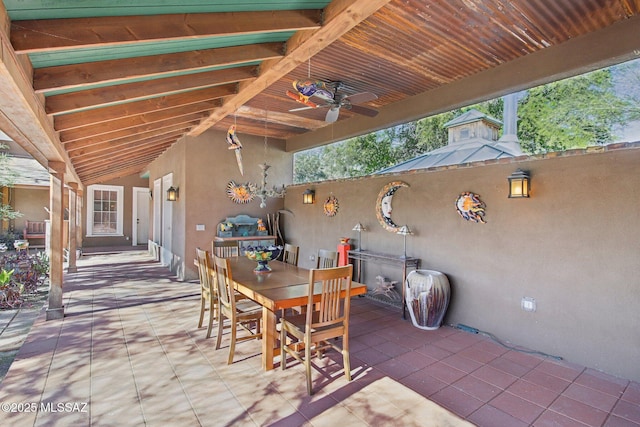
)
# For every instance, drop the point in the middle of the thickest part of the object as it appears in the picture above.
(383, 205)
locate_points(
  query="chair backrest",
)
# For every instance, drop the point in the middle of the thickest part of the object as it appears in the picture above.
(290, 254)
(224, 281)
(225, 249)
(205, 272)
(334, 304)
(326, 259)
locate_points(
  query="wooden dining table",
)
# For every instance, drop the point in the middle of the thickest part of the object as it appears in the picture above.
(286, 286)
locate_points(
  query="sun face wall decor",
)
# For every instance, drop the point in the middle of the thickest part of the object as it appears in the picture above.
(383, 205)
(241, 193)
(470, 207)
(331, 206)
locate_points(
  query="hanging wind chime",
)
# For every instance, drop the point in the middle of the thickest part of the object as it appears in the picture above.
(263, 192)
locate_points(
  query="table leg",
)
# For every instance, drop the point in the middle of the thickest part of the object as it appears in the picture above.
(269, 338)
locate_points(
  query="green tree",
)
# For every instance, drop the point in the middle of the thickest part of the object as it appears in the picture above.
(7, 179)
(576, 112)
(571, 113)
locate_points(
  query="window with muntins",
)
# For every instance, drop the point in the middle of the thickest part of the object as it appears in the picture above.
(106, 204)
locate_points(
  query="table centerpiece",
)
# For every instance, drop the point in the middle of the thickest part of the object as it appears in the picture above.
(262, 255)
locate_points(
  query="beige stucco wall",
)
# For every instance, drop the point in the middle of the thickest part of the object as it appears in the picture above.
(573, 246)
(126, 240)
(202, 166)
(31, 203)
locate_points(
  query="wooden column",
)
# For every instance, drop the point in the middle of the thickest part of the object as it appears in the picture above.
(71, 266)
(80, 222)
(55, 310)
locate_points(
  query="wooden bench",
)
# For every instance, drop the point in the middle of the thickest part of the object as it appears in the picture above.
(34, 230)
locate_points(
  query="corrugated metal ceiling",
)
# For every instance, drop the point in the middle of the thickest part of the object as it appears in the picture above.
(146, 77)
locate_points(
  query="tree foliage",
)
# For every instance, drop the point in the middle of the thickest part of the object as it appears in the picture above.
(7, 178)
(572, 113)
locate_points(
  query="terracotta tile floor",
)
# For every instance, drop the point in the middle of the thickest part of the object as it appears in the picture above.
(128, 353)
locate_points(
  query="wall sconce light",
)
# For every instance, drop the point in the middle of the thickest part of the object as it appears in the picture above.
(172, 194)
(405, 231)
(519, 185)
(359, 228)
(308, 197)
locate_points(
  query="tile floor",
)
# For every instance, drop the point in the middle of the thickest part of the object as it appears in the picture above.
(128, 353)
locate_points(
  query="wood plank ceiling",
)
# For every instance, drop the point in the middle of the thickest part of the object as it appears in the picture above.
(121, 82)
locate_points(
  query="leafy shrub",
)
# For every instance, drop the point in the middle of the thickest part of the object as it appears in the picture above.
(20, 274)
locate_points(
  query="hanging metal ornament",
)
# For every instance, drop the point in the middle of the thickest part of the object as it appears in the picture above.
(263, 192)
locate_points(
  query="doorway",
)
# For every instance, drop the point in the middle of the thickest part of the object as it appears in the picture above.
(140, 229)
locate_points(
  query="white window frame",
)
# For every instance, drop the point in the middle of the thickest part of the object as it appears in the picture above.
(120, 212)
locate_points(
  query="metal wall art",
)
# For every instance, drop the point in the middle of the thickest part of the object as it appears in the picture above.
(383, 205)
(241, 193)
(331, 206)
(470, 207)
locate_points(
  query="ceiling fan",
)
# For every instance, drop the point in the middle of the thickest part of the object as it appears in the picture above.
(321, 94)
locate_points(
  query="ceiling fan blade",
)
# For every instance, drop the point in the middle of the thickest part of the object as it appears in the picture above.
(360, 98)
(365, 111)
(301, 109)
(332, 114)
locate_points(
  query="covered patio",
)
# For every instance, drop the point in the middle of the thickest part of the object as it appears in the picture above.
(128, 353)
(138, 100)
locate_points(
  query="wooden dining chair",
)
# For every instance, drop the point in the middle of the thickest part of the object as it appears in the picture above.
(290, 254)
(208, 291)
(322, 321)
(225, 249)
(241, 313)
(326, 259)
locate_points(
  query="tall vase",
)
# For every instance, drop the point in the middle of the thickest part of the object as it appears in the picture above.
(427, 297)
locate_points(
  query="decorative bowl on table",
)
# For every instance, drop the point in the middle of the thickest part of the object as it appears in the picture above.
(262, 255)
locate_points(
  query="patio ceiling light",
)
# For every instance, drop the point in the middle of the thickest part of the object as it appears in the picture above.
(519, 185)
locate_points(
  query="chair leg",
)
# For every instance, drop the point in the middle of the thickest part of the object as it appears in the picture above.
(307, 365)
(202, 305)
(232, 345)
(283, 351)
(220, 328)
(212, 316)
(346, 363)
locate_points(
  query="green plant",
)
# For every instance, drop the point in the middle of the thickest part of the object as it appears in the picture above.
(10, 292)
(22, 274)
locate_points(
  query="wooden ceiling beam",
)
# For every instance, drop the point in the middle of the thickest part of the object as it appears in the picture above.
(113, 95)
(340, 16)
(210, 95)
(108, 175)
(133, 121)
(89, 143)
(79, 75)
(137, 150)
(279, 118)
(167, 126)
(114, 166)
(104, 175)
(111, 146)
(55, 34)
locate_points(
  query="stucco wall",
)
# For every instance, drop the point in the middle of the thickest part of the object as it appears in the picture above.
(202, 167)
(31, 203)
(125, 240)
(573, 246)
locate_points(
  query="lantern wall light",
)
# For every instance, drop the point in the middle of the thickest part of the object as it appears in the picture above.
(309, 197)
(519, 185)
(172, 194)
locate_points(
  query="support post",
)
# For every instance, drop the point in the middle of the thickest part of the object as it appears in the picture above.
(71, 266)
(55, 309)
